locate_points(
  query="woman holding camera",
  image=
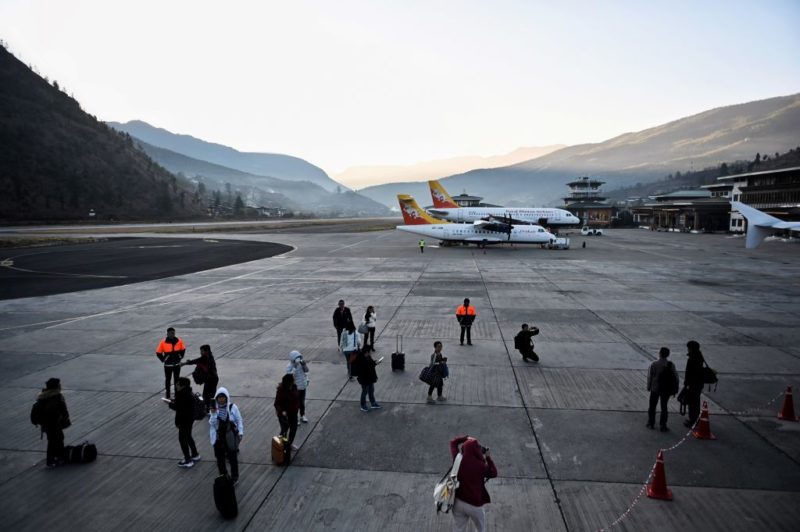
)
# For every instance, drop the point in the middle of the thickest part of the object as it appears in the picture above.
(476, 468)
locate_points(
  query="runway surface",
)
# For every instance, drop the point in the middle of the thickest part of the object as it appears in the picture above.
(567, 434)
(39, 271)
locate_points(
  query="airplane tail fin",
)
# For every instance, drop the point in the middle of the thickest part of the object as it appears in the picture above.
(413, 214)
(441, 199)
(759, 224)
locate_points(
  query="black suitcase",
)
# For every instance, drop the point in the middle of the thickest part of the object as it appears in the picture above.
(80, 454)
(225, 497)
(398, 357)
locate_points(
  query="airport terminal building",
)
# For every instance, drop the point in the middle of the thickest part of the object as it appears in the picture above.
(776, 192)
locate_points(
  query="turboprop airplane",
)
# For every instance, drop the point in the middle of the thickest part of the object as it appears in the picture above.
(480, 232)
(761, 224)
(445, 208)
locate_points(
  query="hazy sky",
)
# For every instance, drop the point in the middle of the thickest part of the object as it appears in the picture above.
(343, 83)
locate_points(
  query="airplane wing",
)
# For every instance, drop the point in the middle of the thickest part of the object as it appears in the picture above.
(491, 225)
(759, 223)
(489, 239)
(509, 220)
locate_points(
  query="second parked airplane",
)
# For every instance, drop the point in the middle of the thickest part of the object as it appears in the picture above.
(479, 232)
(446, 209)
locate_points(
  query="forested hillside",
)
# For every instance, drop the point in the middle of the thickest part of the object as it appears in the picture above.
(58, 163)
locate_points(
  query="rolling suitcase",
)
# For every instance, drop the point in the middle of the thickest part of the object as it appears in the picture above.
(280, 450)
(225, 497)
(398, 357)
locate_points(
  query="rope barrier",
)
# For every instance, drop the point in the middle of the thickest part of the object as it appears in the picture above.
(638, 497)
(748, 410)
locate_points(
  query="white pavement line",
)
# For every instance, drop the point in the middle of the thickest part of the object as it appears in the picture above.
(9, 263)
(63, 274)
(349, 245)
(162, 299)
(135, 306)
(662, 255)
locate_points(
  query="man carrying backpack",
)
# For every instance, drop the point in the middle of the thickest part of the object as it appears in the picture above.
(662, 381)
(523, 342)
(184, 408)
(50, 413)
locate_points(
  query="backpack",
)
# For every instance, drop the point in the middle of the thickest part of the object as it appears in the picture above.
(668, 381)
(199, 411)
(199, 375)
(37, 413)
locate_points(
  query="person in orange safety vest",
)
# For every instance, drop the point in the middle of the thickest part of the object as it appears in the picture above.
(465, 314)
(170, 352)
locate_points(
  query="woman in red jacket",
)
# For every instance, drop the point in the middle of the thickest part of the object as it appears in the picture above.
(476, 467)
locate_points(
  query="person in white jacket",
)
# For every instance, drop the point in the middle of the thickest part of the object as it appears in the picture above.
(226, 432)
(349, 345)
(371, 320)
(299, 369)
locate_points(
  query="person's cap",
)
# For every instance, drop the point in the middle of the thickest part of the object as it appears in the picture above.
(53, 384)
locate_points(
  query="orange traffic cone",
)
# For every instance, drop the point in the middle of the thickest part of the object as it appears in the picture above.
(787, 412)
(703, 429)
(657, 489)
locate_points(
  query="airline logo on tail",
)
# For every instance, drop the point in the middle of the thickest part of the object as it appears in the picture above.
(413, 214)
(441, 199)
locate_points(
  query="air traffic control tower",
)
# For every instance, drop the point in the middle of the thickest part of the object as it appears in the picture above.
(587, 202)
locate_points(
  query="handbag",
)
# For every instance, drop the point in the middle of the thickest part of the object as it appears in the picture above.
(682, 400)
(232, 434)
(444, 493)
(363, 328)
(709, 376)
(445, 371)
(428, 375)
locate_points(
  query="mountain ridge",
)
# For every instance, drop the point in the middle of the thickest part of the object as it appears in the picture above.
(277, 165)
(722, 134)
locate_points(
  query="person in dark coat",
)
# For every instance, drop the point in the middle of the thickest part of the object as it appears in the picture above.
(476, 468)
(662, 381)
(287, 404)
(51, 414)
(523, 341)
(693, 381)
(341, 317)
(207, 371)
(438, 362)
(367, 377)
(183, 405)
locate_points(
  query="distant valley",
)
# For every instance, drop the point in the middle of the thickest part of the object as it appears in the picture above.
(362, 176)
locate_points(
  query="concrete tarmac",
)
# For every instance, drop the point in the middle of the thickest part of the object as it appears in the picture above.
(567, 434)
